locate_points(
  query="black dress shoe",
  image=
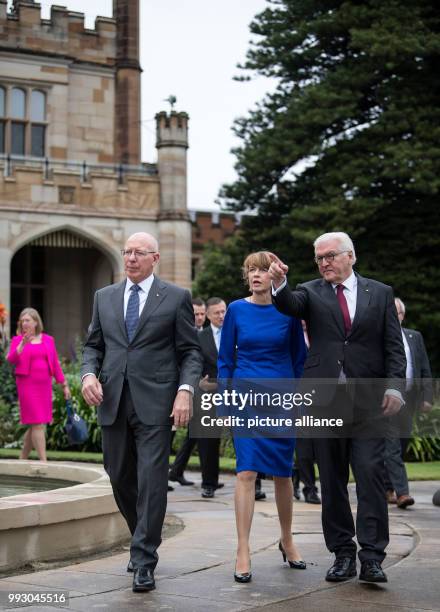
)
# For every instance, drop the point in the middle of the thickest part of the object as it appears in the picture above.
(371, 571)
(143, 579)
(296, 493)
(300, 564)
(259, 494)
(312, 498)
(219, 485)
(170, 488)
(208, 492)
(342, 569)
(243, 577)
(181, 480)
(130, 567)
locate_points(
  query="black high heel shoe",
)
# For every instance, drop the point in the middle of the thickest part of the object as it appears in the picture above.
(243, 577)
(302, 565)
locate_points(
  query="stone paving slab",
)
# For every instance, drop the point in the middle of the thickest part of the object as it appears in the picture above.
(195, 570)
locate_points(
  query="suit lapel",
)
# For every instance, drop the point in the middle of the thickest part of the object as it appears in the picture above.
(117, 300)
(362, 301)
(329, 296)
(155, 296)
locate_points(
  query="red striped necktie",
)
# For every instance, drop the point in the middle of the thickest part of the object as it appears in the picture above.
(344, 308)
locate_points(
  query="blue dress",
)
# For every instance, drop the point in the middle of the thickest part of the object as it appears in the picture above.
(257, 342)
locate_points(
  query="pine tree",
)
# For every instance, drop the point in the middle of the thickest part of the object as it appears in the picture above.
(349, 140)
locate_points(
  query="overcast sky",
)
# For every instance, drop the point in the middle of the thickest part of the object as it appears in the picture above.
(190, 48)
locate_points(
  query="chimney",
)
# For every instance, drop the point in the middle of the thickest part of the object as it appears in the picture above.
(128, 83)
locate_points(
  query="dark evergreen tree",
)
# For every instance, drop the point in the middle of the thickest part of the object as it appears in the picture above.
(349, 140)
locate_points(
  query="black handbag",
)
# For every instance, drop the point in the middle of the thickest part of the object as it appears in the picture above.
(76, 428)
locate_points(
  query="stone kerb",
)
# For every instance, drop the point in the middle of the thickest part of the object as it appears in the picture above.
(58, 523)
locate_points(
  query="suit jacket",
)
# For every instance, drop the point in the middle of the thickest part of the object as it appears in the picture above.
(22, 362)
(421, 367)
(163, 354)
(372, 349)
(209, 352)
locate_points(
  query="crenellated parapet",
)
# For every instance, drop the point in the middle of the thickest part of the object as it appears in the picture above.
(64, 34)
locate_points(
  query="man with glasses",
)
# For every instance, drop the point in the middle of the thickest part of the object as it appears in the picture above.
(141, 363)
(354, 334)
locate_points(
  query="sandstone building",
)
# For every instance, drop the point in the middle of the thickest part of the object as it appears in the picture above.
(72, 183)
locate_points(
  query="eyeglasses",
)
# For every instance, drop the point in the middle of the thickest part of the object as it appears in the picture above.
(136, 253)
(329, 257)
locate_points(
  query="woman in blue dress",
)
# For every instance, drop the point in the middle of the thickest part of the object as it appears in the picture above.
(259, 342)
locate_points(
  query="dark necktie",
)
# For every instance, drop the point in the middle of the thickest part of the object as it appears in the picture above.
(132, 314)
(344, 308)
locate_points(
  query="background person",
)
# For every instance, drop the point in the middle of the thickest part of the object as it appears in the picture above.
(305, 456)
(259, 342)
(177, 469)
(418, 396)
(199, 307)
(36, 362)
(209, 339)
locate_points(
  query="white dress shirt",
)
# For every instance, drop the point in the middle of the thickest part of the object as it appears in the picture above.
(409, 363)
(216, 332)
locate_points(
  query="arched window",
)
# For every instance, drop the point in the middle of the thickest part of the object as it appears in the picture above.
(18, 128)
(23, 121)
(18, 103)
(2, 101)
(38, 130)
(2, 114)
(38, 105)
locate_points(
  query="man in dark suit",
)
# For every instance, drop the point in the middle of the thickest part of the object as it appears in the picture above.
(177, 469)
(418, 396)
(209, 339)
(141, 362)
(354, 334)
(419, 393)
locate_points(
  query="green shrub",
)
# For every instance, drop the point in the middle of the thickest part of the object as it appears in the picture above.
(425, 447)
(10, 429)
(56, 436)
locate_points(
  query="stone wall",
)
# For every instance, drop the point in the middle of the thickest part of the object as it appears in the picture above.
(63, 35)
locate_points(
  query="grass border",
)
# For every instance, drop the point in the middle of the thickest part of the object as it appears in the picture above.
(416, 471)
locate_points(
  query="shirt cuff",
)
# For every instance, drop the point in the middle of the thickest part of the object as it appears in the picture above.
(186, 388)
(88, 374)
(276, 291)
(395, 393)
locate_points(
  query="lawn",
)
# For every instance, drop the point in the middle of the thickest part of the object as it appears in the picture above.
(416, 471)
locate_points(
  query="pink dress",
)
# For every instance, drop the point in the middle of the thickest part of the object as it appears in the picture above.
(34, 380)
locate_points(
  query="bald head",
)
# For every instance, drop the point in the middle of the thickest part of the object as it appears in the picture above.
(148, 240)
(141, 255)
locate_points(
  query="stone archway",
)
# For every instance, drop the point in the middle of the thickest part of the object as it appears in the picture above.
(58, 274)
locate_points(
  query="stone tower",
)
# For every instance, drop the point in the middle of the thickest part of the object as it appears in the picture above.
(174, 223)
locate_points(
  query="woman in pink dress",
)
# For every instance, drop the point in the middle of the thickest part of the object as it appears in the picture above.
(36, 362)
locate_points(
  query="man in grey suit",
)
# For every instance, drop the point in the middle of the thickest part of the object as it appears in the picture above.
(354, 334)
(141, 363)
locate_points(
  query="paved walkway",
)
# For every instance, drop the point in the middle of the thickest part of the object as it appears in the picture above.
(195, 572)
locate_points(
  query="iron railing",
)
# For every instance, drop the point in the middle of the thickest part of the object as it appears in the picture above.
(82, 168)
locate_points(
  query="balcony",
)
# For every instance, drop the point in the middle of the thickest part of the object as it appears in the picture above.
(31, 184)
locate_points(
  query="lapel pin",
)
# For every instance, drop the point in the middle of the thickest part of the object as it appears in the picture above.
(157, 294)
(366, 289)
